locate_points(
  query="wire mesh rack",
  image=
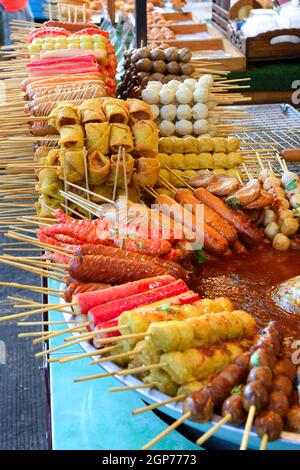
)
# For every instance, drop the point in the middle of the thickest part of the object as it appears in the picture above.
(272, 129)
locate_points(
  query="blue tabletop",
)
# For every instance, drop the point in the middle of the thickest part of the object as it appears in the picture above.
(85, 416)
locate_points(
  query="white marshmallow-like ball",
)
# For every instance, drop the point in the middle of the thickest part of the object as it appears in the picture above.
(167, 95)
(200, 126)
(199, 111)
(184, 95)
(184, 111)
(174, 84)
(168, 112)
(288, 177)
(150, 95)
(190, 82)
(201, 95)
(154, 84)
(155, 111)
(166, 128)
(206, 81)
(184, 127)
(295, 201)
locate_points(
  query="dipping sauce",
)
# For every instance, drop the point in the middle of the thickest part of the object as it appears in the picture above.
(248, 279)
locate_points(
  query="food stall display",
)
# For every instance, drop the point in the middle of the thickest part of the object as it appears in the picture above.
(200, 313)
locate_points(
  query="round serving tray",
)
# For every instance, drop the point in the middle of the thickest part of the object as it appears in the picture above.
(228, 433)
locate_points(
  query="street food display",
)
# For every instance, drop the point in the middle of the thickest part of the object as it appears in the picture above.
(204, 310)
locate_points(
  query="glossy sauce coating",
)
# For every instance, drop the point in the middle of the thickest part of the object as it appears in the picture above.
(247, 279)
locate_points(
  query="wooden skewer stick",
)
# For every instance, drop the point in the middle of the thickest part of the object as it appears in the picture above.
(167, 431)
(51, 335)
(35, 241)
(133, 387)
(88, 354)
(31, 334)
(40, 272)
(264, 442)
(136, 370)
(158, 405)
(43, 290)
(249, 422)
(57, 348)
(32, 312)
(116, 356)
(94, 377)
(213, 429)
(117, 175)
(50, 322)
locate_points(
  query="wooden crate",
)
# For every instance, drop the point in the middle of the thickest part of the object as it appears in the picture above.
(265, 46)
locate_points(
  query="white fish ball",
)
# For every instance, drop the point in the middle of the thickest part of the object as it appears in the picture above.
(184, 111)
(201, 95)
(151, 96)
(200, 126)
(200, 111)
(184, 95)
(206, 81)
(155, 111)
(184, 127)
(269, 217)
(166, 128)
(154, 84)
(168, 112)
(281, 242)
(174, 84)
(295, 201)
(288, 177)
(271, 230)
(167, 95)
(191, 82)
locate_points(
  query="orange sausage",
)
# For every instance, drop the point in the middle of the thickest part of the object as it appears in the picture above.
(248, 232)
(213, 241)
(291, 155)
(184, 196)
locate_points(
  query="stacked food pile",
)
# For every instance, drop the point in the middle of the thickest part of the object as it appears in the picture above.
(158, 64)
(88, 50)
(91, 136)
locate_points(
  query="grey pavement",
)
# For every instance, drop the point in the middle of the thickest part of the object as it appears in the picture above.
(22, 384)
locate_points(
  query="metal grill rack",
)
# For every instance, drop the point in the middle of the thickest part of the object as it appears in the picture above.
(273, 128)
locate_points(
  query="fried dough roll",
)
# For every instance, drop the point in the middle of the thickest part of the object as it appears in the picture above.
(91, 111)
(120, 136)
(147, 172)
(97, 136)
(139, 110)
(98, 167)
(115, 111)
(49, 183)
(72, 165)
(129, 164)
(63, 115)
(145, 137)
(71, 137)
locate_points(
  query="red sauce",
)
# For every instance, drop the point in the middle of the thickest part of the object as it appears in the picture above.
(247, 280)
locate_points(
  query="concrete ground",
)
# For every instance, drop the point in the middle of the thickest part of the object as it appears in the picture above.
(22, 384)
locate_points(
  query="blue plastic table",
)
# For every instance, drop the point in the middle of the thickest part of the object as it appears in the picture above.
(85, 416)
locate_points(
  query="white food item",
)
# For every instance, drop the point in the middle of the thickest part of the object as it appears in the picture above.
(191, 82)
(295, 201)
(200, 126)
(281, 242)
(264, 174)
(289, 226)
(155, 111)
(184, 111)
(288, 177)
(201, 95)
(154, 84)
(174, 84)
(184, 127)
(287, 295)
(206, 81)
(200, 111)
(168, 112)
(271, 230)
(271, 182)
(269, 217)
(184, 95)
(166, 128)
(150, 95)
(167, 95)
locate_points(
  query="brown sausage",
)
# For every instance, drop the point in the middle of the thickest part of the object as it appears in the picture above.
(173, 268)
(249, 233)
(184, 196)
(40, 129)
(72, 27)
(111, 270)
(212, 240)
(291, 155)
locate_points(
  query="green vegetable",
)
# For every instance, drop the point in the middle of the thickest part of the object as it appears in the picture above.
(292, 185)
(200, 255)
(237, 390)
(254, 360)
(233, 202)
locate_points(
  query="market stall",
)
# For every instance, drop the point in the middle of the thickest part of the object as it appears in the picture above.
(165, 219)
